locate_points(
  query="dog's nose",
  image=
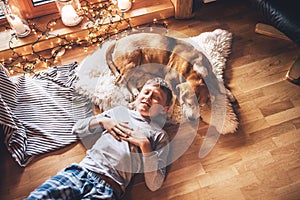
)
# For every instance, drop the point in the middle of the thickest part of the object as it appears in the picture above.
(191, 118)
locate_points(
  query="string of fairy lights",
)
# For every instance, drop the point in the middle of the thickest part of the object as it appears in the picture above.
(104, 21)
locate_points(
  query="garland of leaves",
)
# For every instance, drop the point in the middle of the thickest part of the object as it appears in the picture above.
(104, 20)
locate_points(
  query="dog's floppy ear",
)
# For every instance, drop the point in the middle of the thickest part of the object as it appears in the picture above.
(202, 93)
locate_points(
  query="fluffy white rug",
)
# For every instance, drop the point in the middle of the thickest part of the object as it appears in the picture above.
(96, 79)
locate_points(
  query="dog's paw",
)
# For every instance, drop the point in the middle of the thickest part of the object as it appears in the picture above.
(135, 92)
(118, 80)
(131, 106)
(129, 97)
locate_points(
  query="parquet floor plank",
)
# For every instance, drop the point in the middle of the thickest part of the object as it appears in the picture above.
(260, 161)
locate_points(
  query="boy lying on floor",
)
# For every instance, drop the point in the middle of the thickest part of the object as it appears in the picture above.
(131, 142)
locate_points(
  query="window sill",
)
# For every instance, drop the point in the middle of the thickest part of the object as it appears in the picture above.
(142, 12)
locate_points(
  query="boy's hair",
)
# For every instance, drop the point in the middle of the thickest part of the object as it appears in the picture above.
(162, 84)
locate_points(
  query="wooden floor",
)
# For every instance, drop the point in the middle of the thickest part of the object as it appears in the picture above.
(260, 161)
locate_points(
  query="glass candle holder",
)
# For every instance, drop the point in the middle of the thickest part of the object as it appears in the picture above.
(124, 5)
(15, 18)
(68, 11)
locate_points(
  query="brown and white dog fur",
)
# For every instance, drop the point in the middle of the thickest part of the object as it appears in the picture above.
(185, 67)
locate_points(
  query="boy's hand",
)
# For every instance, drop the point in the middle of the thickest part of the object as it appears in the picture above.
(115, 128)
(138, 138)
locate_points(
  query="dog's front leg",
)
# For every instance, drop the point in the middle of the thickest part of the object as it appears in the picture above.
(129, 81)
(131, 86)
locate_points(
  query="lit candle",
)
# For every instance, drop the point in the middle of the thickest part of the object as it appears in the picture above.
(69, 16)
(17, 24)
(124, 5)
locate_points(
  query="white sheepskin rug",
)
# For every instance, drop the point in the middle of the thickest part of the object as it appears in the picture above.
(97, 81)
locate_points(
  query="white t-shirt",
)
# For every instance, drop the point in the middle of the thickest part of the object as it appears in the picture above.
(120, 160)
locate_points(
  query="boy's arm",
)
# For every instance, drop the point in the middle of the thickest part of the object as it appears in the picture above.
(155, 165)
(87, 126)
(154, 160)
(99, 123)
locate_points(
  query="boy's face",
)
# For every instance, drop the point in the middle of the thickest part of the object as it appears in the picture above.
(151, 101)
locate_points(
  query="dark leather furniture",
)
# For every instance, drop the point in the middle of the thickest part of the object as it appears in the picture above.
(281, 14)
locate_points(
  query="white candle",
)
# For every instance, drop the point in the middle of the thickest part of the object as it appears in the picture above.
(124, 5)
(17, 24)
(69, 16)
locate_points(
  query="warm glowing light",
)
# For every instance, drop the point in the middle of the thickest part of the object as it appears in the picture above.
(14, 18)
(69, 16)
(124, 5)
(103, 24)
